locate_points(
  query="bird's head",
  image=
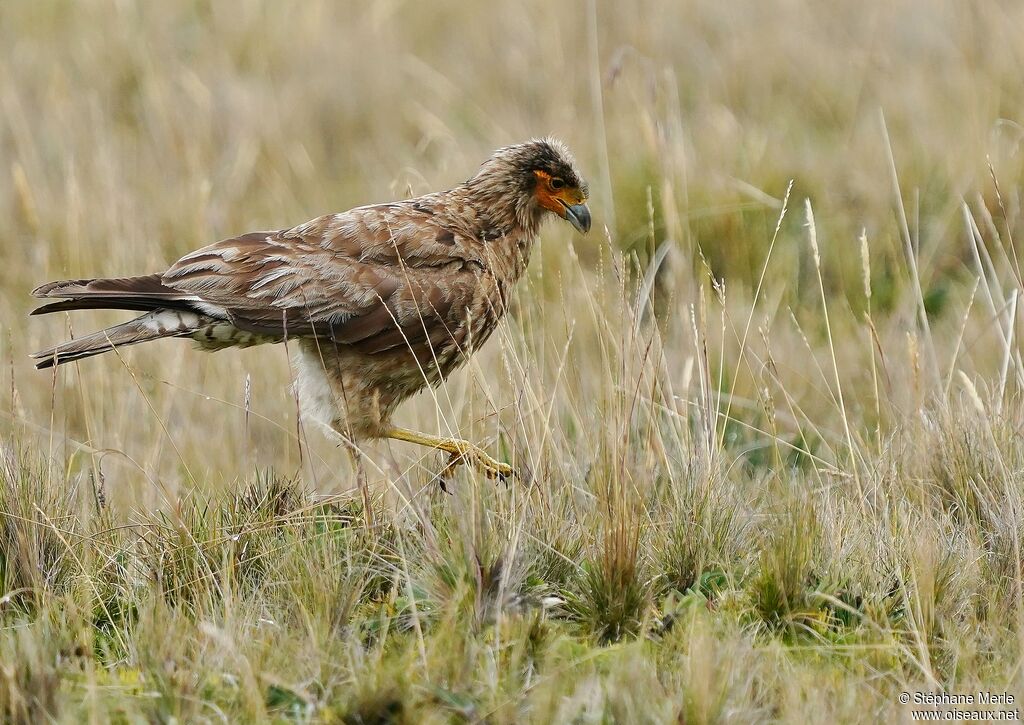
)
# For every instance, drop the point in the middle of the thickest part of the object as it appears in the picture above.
(536, 178)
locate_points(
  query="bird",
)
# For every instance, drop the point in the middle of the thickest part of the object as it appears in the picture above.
(380, 301)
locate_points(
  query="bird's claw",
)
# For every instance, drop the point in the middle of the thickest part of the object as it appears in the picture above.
(493, 469)
(501, 472)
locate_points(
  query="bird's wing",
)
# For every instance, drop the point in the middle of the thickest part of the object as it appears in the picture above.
(375, 278)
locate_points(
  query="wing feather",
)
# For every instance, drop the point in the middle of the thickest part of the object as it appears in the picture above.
(376, 278)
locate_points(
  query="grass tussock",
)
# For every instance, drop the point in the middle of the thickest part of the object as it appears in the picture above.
(768, 414)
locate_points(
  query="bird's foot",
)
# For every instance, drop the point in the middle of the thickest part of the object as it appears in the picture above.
(490, 467)
(462, 451)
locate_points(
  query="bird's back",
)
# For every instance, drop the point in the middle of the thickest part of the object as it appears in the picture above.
(411, 280)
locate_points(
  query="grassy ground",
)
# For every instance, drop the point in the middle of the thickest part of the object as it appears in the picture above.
(769, 412)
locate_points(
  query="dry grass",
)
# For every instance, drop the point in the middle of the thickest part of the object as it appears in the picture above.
(773, 432)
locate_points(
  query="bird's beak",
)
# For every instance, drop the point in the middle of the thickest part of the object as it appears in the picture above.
(578, 215)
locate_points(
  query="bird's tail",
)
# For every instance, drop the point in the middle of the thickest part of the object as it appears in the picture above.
(169, 313)
(121, 293)
(150, 326)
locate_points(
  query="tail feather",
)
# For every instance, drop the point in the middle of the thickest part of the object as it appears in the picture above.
(106, 303)
(150, 285)
(151, 326)
(120, 293)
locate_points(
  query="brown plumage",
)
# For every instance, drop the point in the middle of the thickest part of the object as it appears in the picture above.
(382, 300)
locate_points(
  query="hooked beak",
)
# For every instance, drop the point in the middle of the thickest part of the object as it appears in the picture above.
(579, 216)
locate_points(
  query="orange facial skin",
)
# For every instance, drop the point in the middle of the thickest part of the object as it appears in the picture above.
(553, 199)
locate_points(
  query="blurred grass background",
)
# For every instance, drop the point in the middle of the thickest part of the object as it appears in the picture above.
(135, 133)
(829, 454)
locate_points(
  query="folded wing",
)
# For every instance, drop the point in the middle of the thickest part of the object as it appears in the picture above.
(375, 278)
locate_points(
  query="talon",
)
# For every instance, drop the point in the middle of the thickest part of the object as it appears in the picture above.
(454, 461)
(499, 472)
(492, 469)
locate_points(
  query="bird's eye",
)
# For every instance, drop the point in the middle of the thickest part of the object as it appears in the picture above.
(557, 183)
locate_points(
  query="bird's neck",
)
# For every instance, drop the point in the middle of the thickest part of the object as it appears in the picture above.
(498, 210)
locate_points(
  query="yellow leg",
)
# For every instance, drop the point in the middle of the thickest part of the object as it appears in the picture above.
(461, 450)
